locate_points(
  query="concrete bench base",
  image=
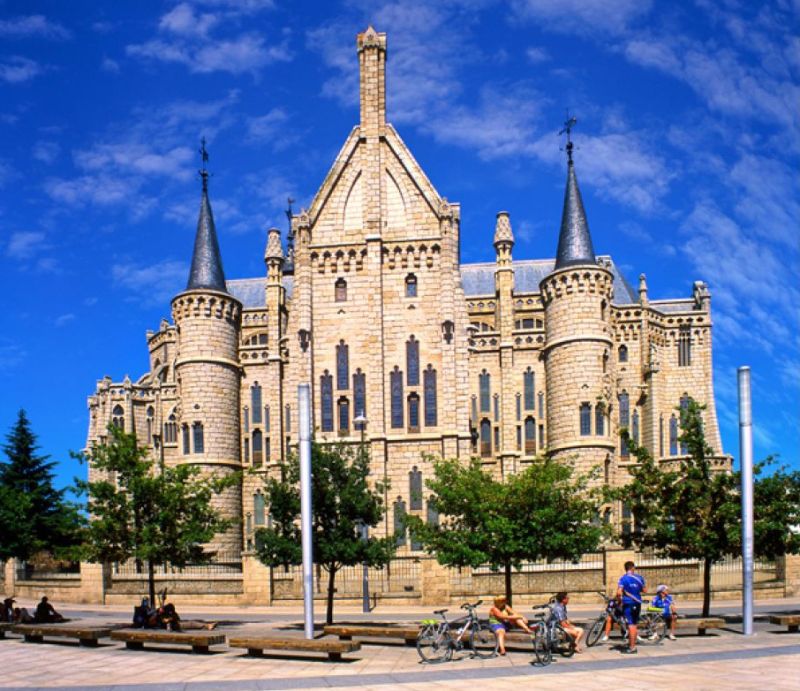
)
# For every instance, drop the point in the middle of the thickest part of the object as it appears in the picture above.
(700, 624)
(135, 639)
(86, 635)
(346, 632)
(256, 645)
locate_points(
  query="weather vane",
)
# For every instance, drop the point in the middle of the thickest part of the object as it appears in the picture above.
(569, 123)
(289, 212)
(204, 156)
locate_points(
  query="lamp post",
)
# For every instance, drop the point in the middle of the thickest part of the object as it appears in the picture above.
(361, 424)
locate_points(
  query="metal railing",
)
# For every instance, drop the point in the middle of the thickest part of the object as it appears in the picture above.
(62, 571)
(222, 564)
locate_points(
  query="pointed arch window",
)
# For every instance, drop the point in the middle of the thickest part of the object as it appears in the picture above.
(486, 438)
(411, 286)
(432, 517)
(624, 421)
(266, 418)
(246, 419)
(599, 420)
(118, 417)
(485, 391)
(255, 402)
(340, 290)
(673, 436)
(185, 435)
(635, 426)
(519, 407)
(343, 406)
(474, 409)
(541, 404)
(586, 419)
(413, 412)
(412, 361)
(530, 436)
(684, 345)
(197, 437)
(415, 488)
(258, 448)
(622, 353)
(170, 430)
(150, 415)
(429, 386)
(396, 387)
(684, 407)
(496, 405)
(246, 447)
(259, 509)
(326, 401)
(400, 521)
(529, 381)
(359, 393)
(342, 366)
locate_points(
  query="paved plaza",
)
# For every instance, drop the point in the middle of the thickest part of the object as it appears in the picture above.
(722, 659)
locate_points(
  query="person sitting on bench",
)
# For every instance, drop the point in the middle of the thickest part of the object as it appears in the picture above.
(502, 618)
(169, 619)
(46, 614)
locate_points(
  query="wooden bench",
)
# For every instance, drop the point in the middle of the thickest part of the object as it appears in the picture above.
(790, 620)
(701, 624)
(256, 645)
(346, 632)
(5, 626)
(86, 635)
(199, 640)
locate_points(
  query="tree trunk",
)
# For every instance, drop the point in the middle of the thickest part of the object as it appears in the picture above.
(331, 590)
(151, 582)
(508, 582)
(706, 585)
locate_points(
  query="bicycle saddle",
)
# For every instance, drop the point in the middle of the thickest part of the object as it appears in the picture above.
(440, 611)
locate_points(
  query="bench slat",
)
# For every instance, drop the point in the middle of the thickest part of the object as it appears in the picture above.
(136, 638)
(257, 644)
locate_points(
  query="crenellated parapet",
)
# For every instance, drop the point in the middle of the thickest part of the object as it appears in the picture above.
(206, 304)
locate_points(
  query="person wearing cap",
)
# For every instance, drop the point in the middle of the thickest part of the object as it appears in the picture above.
(7, 610)
(663, 601)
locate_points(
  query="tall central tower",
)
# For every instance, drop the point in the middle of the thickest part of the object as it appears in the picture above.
(578, 364)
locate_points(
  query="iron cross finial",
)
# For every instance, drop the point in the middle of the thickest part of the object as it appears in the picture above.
(569, 123)
(204, 158)
(289, 212)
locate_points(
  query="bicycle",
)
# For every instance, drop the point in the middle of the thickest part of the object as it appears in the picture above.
(437, 641)
(652, 627)
(549, 636)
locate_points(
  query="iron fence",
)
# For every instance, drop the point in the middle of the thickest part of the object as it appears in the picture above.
(49, 572)
(221, 564)
(688, 573)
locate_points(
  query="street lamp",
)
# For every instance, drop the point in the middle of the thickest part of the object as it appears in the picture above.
(361, 424)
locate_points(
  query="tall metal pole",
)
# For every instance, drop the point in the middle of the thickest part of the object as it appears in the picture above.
(304, 413)
(746, 455)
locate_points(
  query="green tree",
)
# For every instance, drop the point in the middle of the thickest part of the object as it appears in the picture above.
(691, 511)
(34, 515)
(342, 502)
(541, 513)
(154, 515)
(776, 510)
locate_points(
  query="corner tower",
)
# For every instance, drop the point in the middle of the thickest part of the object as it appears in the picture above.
(577, 354)
(208, 324)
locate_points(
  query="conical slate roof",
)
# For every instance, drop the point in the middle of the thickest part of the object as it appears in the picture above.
(206, 271)
(574, 241)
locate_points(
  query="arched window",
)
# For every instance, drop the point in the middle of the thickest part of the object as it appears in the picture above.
(258, 448)
(266, 418)
(170, 430)
(246, 419)
(359, 393)
(266, 449)
(415, 488)
(185, 435)
(586, 419)
(343, 406)
(255, 401)
(413, 413)
(433, 514)
(673, 436)
(474, 409)
(412, 361)
(684, 407)
(624, 421)
(396, 386)
(661, 435)
(326, 401)
(529, 387)
(342, 366)
(287, 414)
(197, 437)
(259, 509)
(400, 521)
(496, 402)
(541, 404)
(118, 417)
(150, 414)
(340, 290)
(635, 426)
(246, 447)
(622, 353)
(530, 436)
(599, 420)
(485, 391)
(627, 519)
(411, 286)
(429, 386)
(486, 438)
(519, 407)
(684, 345)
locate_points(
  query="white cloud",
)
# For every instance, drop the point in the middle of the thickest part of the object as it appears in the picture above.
(33, 25)
(151, 285)
(109, 65)
(64, 319)
(183, 21)
(19, 69)
(138, 158)
(23, 245)
(101, 190)
(537, 55)
(46, 152)
(11, 355)
(586, 16)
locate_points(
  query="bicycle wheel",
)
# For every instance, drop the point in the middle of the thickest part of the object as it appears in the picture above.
(652, 629)
(433, 645)
(595, 632)
(541, 647)
(483, 642)
(563, 643)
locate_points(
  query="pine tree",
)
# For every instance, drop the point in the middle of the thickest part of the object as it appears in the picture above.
(34, 514)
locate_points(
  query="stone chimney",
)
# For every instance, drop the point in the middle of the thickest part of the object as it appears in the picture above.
(372, 65)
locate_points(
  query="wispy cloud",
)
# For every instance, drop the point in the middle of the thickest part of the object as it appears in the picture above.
(109, 65)
(35, 25)
(11, 355)
(151, 285)
(46, 152)
(583, 16)
(64, 319)
(18, 69)
(23, 245)
(537, 55)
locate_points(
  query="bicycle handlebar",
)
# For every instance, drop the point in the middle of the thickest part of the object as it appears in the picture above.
(468, 606)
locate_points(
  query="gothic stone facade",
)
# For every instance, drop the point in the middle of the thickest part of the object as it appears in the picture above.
(370, 304)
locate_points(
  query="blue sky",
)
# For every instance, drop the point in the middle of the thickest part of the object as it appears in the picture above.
(687, 154)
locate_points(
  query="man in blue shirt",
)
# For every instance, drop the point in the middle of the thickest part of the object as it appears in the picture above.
(629, 590)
